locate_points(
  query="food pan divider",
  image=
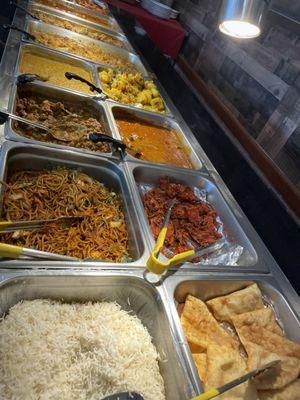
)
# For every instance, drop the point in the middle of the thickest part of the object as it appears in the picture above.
(156, 119)
(38, 49)
(59, 94)
(37, 26)
(82, 22)
(73, 7)
(276, 290)
(131, 291)
(236, 224)
(167, 102)
(108, 170)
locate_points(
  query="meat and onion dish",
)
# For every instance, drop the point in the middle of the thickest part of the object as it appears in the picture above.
(92, 6)
(78, 28)
(61, 119)
(89, 50)
(69, 9)
(192, 224)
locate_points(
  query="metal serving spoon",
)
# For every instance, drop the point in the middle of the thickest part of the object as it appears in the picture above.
(5, 115)
(124, 396)
(57, 131)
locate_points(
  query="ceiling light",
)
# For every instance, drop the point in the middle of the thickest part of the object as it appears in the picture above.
(242, 18)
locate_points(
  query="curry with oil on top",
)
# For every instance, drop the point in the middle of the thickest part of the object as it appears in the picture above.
(54, 71)
(155, 144)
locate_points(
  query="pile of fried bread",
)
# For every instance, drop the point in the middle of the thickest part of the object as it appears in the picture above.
(237, 333)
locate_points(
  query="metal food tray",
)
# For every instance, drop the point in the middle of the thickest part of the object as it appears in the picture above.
(21, 156)
(100, 4)
(49, 54)
(237, 228)
(205, 287)
(132, 293)
(83, 23)
(33, 27)
(102, 20)
(265, 259)
(156, 119)
(96, 110)
(166, 101)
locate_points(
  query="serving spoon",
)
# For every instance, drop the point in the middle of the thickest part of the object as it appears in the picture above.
(124, 396)
(57, 131)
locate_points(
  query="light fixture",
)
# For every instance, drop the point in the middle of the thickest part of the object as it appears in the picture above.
(242, 18)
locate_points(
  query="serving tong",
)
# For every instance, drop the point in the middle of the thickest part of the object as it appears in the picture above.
(12, 251)
(12, 226)
(211, 393)
(157, 266)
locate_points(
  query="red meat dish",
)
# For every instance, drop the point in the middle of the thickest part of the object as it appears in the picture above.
(192, 220)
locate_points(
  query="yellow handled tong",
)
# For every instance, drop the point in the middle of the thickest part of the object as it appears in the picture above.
(12, 251)
(12, 226)
(157, 266)
(210, 394)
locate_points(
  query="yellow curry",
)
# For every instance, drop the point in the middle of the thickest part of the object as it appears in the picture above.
(54, 71)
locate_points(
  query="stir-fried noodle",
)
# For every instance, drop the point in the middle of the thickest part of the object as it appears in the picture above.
(100, 234)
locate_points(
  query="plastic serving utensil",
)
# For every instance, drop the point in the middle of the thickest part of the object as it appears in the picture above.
(210, 394)
(93, 88)
(157, 266)
(12, 226)
(118, 144)
(124, 396)
(28, 78)
(11, 251)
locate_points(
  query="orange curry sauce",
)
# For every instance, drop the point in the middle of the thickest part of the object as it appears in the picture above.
(155, 144)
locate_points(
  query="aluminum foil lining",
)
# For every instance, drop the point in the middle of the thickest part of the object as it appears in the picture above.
(230, 252)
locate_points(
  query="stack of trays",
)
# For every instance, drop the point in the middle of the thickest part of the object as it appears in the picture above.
(159, 9)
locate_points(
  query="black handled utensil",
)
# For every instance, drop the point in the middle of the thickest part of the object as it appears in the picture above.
(117, 144)
(12, 3)
(28, 78)
(14, 27)
(93, 88)
(124, 396)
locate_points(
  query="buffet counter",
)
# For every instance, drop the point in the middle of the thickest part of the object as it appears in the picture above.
(102, 178)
